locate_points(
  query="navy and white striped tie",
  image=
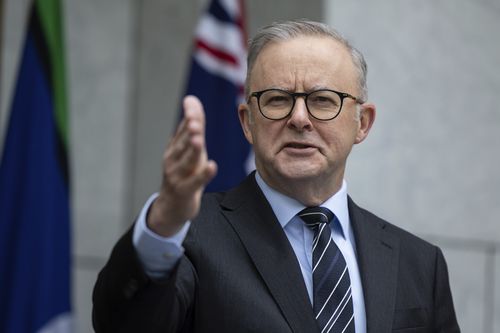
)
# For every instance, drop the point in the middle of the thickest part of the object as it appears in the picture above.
(332, 296)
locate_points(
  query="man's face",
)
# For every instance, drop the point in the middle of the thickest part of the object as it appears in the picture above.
(300, 149)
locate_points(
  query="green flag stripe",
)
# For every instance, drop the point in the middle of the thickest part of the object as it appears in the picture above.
(48, 64)
(50, 15)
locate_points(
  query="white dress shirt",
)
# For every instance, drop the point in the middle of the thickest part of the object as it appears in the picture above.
(301, 237)
(159, 254)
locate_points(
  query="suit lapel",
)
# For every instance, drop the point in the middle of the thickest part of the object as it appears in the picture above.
(378, 256)
(253, 220)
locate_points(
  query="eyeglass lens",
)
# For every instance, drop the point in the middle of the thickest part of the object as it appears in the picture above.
(322, 104)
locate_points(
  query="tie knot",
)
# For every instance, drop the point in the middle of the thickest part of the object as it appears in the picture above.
(313, 216)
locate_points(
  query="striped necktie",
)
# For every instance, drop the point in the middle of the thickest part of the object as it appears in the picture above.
(332, 296)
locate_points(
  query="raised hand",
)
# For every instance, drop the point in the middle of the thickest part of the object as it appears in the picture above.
(186, 171)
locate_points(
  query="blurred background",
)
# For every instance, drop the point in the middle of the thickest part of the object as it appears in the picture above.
(430, 164)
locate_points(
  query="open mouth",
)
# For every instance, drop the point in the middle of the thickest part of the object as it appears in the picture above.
(299, 148)
(298, 145)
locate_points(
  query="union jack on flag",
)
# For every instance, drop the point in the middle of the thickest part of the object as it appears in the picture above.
(217, 78)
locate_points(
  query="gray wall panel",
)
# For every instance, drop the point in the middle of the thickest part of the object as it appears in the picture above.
(430, 164)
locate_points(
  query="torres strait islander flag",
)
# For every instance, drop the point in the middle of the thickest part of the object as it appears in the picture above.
(34, 186)
(217, 78)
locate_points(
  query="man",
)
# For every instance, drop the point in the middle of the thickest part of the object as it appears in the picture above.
(287, 250)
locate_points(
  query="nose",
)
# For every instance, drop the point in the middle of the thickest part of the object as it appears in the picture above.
(299, 119)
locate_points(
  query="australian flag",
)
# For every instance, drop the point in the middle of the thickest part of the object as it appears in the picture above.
(217, 78)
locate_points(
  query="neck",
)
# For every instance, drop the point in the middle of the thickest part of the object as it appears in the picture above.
(310, 192)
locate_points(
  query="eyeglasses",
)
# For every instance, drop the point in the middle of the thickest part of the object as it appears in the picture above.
(323, 104)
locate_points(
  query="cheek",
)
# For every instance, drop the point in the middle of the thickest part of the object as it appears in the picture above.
(266, 137)
(339, 138)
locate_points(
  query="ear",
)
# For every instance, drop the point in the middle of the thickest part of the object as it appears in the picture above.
(366, 119)
(245, 121)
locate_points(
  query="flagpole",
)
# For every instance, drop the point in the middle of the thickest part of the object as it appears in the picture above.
(1, 30)
(2, 116)
(1, 54)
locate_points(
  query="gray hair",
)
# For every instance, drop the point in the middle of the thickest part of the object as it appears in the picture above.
(286, 30)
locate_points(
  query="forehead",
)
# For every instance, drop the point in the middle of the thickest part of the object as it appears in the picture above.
(304, 62)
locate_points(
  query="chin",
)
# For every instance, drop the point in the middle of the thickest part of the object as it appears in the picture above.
(300, 172)
(291, 169)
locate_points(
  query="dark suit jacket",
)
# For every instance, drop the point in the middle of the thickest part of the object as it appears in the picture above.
(240, 274)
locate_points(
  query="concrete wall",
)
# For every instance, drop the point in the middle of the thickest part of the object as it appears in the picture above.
(99, 39)
(164, 42)
(127, 62)
(431, 162)
(100, 43)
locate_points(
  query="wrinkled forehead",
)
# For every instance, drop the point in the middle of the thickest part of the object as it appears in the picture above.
(307, 61)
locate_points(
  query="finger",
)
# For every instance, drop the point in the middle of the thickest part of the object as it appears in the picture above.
(183, 167)
(186, 157)
(178, 144)
(193, 109)
(200, 179)
(191, 160)
(178, 131)
(193, 123)
(190, 137)
(187, 186)
(190, 145)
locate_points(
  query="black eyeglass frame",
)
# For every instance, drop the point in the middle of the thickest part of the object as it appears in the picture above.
(294, 95)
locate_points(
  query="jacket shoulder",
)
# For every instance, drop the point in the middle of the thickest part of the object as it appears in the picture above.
(406, 237)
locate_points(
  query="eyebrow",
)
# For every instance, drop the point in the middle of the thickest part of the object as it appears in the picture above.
(313, 88)
(317, 87)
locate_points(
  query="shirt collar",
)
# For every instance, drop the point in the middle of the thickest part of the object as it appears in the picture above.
(286, 208)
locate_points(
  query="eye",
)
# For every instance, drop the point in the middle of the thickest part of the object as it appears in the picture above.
(275, 98)
(324, 100)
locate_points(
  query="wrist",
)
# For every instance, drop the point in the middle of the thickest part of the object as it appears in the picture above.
(161, 220)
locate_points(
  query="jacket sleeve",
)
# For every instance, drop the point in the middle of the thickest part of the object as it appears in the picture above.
(445, 319)
(125, 299)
